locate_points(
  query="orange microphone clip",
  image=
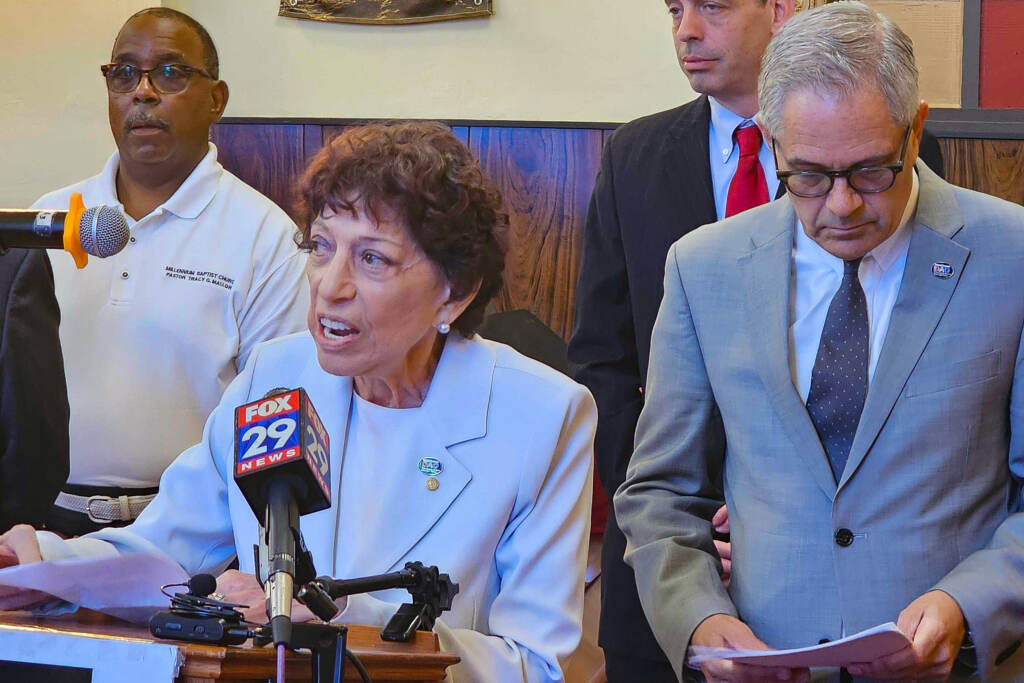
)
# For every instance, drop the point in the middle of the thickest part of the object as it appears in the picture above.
(72, 240)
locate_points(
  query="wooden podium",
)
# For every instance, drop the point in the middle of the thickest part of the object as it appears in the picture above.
(418, 660)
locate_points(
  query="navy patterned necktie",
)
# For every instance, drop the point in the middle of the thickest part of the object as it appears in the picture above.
(839, 379)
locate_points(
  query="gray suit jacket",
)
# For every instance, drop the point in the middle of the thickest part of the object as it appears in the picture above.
(933, 477)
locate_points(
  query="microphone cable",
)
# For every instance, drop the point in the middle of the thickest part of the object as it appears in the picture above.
(364, 675)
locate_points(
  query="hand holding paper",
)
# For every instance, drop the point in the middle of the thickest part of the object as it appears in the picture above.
(19, 546)
(867, 646)
(726, 634)
(126, 586)
(935, 623)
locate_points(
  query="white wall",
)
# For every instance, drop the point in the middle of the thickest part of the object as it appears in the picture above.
(534, 60)
(53, 105)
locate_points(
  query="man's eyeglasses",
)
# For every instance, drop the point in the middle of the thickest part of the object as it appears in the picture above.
(166, 79)
(864, 179)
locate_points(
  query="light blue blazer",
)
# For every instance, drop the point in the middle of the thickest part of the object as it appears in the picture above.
(509, 523)
(932, 483)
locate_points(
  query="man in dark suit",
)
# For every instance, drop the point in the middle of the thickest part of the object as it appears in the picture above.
(33, 396)
(660, 178)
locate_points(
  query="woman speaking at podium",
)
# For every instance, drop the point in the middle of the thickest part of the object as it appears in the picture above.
(444, 448)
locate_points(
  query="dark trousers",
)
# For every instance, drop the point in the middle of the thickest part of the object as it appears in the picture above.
(622, 669)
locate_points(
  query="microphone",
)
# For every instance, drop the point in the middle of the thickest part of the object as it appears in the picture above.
(282, 466)
(196, 617)
(202, 585)
(101, 231)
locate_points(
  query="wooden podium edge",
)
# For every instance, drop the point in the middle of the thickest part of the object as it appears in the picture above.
(418, 660)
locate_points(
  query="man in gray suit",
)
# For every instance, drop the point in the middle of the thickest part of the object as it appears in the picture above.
(848, 362)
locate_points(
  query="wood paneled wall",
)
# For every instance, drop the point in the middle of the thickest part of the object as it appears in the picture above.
(994, 167)
(546, 176)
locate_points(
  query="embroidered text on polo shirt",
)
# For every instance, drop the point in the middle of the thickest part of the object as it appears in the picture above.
(190, 275)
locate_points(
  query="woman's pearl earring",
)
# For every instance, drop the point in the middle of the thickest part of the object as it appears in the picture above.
(444, 328)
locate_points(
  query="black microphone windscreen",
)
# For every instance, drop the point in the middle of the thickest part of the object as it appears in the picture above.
(103, 231)
(202, 584)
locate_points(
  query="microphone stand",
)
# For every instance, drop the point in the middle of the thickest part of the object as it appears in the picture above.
(282, 532)
(432, 593)
(326, 642)
(201, 619)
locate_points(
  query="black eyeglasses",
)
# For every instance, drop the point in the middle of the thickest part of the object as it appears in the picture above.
(166, 79)
(865, 179)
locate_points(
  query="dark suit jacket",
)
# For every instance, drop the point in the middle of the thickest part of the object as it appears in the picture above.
(33, 396)
(654, 186)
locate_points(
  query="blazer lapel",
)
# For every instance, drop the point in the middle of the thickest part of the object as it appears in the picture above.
(767, 271)
(332, 401)
(688, 167)
(456, 405)
(919, 306)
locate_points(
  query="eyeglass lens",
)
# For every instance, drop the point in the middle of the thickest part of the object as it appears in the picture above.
(810, 183)
(166, 78)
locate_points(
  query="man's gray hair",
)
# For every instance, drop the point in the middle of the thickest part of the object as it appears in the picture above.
(839, 49)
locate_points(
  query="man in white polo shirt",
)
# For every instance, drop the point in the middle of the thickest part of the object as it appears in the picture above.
(154, 334)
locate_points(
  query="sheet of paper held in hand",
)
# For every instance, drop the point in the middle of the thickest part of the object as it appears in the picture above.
(125, 586)
(866, 646)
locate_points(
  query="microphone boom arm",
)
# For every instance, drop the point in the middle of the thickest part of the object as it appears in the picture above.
(432, 593)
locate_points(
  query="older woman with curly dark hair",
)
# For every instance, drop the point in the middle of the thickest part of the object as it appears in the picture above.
(444, 448)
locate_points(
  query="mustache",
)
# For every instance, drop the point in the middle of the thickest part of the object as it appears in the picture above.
(139, 119)
(691, 51)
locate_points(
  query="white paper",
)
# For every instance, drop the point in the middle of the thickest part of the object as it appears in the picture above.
(110, 660)
(866, 646)
(125, 586)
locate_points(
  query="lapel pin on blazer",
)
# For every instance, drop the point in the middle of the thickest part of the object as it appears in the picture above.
(942, 270)
(431, 467)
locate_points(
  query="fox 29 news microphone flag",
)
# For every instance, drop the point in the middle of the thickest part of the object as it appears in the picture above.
(282, 466)
(281, 435)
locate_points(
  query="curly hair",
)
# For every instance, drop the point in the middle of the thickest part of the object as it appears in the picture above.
(421, 174)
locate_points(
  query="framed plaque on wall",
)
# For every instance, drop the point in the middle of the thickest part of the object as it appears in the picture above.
(385, 11)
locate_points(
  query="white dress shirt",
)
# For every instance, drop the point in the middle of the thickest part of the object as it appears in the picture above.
(816, 277)
(153, 335)
(725, 154)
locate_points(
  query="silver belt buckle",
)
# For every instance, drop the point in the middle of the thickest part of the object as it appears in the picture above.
(88, 508)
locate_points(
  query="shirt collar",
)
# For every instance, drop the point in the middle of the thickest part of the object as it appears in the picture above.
(108, 183)
(723, 123)
(890, 251)
(191, 197)
(886, 254)
(198, 189)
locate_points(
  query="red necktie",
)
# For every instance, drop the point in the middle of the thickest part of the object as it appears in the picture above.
(748, 187)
